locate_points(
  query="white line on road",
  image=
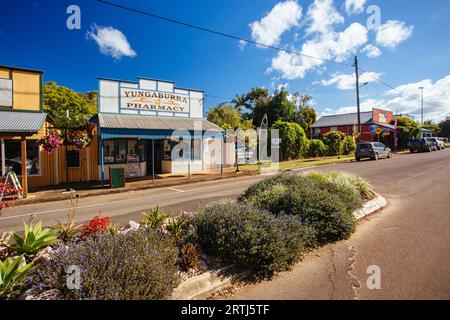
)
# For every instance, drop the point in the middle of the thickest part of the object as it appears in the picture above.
(114, 202)
(175, 189)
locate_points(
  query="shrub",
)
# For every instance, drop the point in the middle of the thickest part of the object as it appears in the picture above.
(176, 228)
(316, 201)
(334, 142)
(317, 148)
(189, 257)
(12, 276)
(34, 240)
(293, 139)
(95, 226)
(348, 145)
(153, 218)
(137, 265)
(360, 185)
(242, 234)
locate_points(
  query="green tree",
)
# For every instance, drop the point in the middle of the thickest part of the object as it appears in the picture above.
(59, 99)
(293, 139)
(281, 107)
(407, 129)
(334, 140)
(241, 103)
(227, 117)
(445, 128)
(433, 127)
(306, 117)
(349, 145)
(316, 148)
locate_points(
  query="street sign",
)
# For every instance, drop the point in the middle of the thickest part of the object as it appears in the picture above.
(379, 131)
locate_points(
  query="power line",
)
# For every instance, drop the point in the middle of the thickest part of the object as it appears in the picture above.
(395, 89)
(219, 33)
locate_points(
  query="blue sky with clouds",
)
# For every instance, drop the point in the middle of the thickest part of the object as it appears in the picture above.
(409, 48)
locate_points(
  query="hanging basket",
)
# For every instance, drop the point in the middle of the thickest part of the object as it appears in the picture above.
(50, 142)
(78, 138)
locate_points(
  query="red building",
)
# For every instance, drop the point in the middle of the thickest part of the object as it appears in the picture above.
(375, 124)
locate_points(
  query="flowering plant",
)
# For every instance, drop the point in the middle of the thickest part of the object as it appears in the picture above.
(50, 142)
(8, 194)
(95, 226)
(78, 138)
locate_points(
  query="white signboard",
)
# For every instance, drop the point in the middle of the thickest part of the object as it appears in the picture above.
(148, 100)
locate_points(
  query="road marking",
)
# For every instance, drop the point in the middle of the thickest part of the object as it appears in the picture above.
(175, 189)
(114, 202)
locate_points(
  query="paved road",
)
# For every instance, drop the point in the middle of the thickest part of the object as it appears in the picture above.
(409, 241)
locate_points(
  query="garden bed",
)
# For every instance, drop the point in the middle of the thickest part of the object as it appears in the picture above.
(266, 231)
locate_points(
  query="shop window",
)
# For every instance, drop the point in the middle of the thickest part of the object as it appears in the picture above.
(117, 151)
(13, 158)
(109, 151)
(6, 93)
(141, 151)
(121, 151)
(73, 159)
(132, 147)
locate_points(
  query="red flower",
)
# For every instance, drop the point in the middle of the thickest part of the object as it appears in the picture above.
(96, 226)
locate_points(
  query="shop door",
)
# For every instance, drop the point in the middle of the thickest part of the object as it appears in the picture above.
(158, 156)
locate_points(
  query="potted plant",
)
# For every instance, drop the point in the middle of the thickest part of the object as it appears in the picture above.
(50, 142)
(78, 138)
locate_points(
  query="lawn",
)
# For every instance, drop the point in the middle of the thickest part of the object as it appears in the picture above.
(300, 163)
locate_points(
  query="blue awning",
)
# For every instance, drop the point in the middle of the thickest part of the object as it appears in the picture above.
(108, 134)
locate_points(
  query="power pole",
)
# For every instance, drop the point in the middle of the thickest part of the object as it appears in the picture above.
(357, 99)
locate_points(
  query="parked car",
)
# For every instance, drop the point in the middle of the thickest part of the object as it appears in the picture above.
(440, 144)
(421, 145)
(434, 143)
(372, 150)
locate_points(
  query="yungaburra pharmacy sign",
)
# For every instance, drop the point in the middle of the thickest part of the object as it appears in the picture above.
(138, 99)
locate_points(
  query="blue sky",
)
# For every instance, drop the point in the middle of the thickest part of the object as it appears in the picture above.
(409, 48)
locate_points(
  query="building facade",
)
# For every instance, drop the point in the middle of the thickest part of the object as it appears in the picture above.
(375, 125)
(22, 123)
(151, 127)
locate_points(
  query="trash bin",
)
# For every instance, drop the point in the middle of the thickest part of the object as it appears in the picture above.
(117, 177)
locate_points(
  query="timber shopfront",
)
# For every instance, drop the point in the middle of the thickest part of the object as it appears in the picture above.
(141, 126)
(23, 123)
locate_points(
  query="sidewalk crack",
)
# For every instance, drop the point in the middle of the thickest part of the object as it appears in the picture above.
(354, 281)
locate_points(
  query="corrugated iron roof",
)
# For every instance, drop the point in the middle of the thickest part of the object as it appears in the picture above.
(21, 122)
(122, 121)
(342, 120)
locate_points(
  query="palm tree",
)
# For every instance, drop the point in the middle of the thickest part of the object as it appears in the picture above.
(240, 101)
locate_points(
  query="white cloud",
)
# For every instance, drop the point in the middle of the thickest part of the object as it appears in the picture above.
(406, 99)
(392, 33)
(322, 16)
(282, 17)
(111, 42)
(347, 81)
(371, 51)
(330, 45)
(354, 6)
(242, 44)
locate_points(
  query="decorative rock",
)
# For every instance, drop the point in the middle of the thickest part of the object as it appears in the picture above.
(134, 226)
(44, 255)
(49, 295)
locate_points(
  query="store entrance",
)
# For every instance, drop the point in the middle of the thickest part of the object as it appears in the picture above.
(158, 156)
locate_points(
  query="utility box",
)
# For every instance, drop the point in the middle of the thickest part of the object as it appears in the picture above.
(117, 177)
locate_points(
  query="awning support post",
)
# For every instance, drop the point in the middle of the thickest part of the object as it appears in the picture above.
(3, 164)
(24, 167)
(102, 154)
(221, 154)
(153, 161)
